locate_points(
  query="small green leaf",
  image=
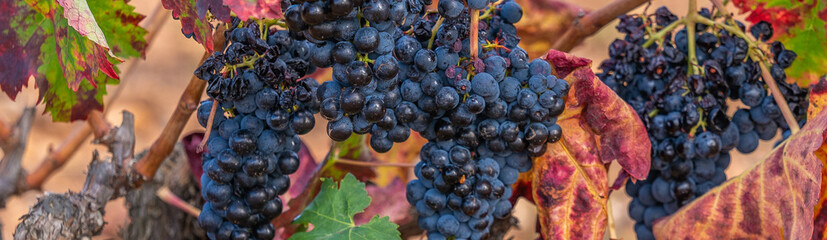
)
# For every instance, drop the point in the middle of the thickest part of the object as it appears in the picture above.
(810, 43)
(780, 3)
(331, 214)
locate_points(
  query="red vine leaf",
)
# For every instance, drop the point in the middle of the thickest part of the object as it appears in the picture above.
(570, 184)
(259, 9)
(216, 7)
(192, 25)
(37, 41)
(80, 17)
(774, 199)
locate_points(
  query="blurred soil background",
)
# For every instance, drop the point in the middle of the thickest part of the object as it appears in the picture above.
(153, 88)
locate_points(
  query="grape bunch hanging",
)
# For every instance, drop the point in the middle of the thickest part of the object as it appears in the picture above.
(259, 104)
(685, 103)
(397, 69)
(487, 116)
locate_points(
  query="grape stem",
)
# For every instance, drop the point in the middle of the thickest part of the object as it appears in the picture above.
(779, 99)
(663, 32)
(594, 21)
(170, 198)
(209, 126)
(690, 36)
(434, 30)
(473, 32)
(374, 164)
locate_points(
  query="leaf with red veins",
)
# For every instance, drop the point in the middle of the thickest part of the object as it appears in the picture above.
(191, 23)
(20, 41)
(775, 199)
(37, 41)
(385, 201)
(570, 184)
(216, 7)
(80, 17)
(80, 59)
(818, 101)
(259, 9)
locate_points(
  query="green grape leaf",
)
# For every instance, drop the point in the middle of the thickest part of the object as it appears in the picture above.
(37, 40)
(809, 41)
(119, 23)
(332, 211)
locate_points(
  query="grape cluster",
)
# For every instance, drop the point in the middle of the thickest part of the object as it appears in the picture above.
(686, 114)
(263, 104)
(357, 39)
(484, 118)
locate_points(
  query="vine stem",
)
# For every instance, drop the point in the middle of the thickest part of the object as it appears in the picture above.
(373, 164)
(594, 21)
(170, 198)
(475, 29)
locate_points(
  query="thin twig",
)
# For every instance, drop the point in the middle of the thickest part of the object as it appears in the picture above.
(374, 164)
(474, 40)
(186, 106)
(170, 198)
(594, 21)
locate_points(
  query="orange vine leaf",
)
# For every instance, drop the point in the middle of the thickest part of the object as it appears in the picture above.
(818, 100)
(773, 199)
(570, 182)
